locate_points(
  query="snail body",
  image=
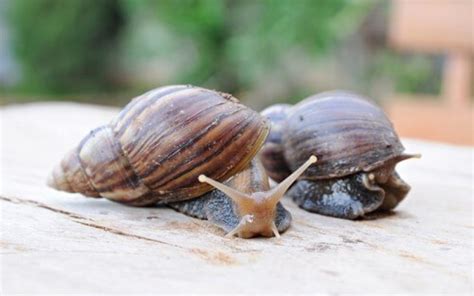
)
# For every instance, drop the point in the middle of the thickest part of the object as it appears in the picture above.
(160, 143)
(357, 148)
(217, 207)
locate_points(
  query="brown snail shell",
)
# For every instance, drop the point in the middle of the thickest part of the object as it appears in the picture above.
(349, 135)
(272, 153)
(160, 143)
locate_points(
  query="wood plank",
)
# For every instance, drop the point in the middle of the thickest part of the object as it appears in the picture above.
(457, 79)
(427, 118)
(432, 26)
(54, 242)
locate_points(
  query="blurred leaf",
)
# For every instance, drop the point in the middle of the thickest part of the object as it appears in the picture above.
(63, 45)
(410, 73)
(238, 42)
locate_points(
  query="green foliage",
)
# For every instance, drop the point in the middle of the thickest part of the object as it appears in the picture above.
(66, 46)
(264, 39)
(62, 45)
(410, 73)
(239, 41)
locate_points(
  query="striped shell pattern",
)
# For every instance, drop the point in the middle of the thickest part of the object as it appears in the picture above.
(159, 144)
(347, 133)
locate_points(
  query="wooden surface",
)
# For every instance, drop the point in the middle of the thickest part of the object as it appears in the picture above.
(58, 242)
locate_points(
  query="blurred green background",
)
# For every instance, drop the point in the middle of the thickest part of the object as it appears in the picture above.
(266, 51)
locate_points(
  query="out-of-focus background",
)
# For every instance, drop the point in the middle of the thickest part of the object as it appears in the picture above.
(414, 57)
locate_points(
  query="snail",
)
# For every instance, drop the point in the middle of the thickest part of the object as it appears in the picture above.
(172, 146)
(357, 149)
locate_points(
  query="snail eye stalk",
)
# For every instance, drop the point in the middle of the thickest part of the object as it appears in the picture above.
(235, 195)
(258, 202)
(278, 192)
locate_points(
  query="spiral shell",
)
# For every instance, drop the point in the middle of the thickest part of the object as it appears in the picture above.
(271, 154)
(160, 143)
(345, 131)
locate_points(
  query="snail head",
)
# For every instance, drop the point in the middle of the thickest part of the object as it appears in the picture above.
(257, 210)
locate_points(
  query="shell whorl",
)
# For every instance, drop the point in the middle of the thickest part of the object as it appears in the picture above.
(69, 176)
(272, 152)
(345, 131)
(162, 141)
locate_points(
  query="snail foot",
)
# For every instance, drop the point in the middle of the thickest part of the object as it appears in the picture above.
(349, 197)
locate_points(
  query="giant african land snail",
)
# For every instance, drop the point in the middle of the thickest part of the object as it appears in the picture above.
(357, 149)
(169, 146)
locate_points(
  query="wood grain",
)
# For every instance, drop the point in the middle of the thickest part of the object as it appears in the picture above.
(56, 242)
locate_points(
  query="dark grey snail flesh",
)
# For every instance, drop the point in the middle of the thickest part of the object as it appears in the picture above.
(161, 142)
(357, 150)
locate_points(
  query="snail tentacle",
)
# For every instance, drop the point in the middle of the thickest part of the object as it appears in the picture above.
(275, 230)
(235, 195)
(279, 191)
(257, 210)
(247, 219)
